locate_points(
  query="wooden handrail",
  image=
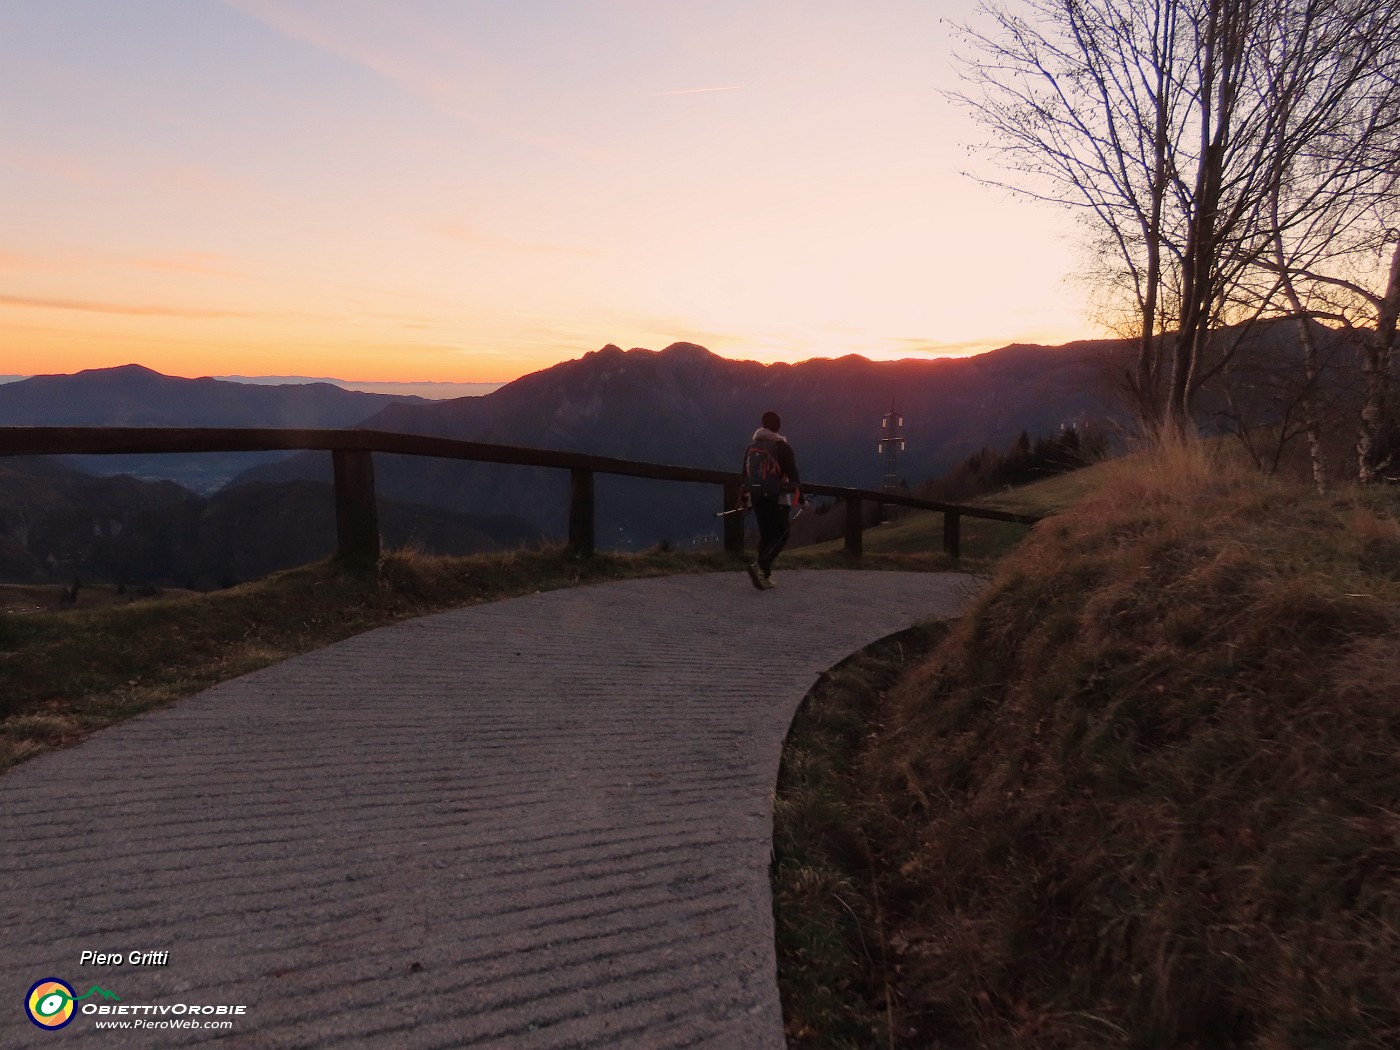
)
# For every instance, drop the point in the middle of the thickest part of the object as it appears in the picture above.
(354, 474)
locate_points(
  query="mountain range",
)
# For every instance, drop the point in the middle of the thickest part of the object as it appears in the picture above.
(686, 406)
(682, 405)
(135, 396)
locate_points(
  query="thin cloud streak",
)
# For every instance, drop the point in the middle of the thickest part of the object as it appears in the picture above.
(88, 306)
(971, 348)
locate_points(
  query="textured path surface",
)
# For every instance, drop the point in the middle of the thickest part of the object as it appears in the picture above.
(539, 823)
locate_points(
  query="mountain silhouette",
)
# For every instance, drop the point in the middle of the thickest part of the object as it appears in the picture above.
(686, 406)
(136, 396)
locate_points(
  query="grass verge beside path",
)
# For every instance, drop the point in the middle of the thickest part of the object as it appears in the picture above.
(833, 953)
(66, 674)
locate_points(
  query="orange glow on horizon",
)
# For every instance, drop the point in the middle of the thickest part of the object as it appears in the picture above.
(43, 350)
(418, 192)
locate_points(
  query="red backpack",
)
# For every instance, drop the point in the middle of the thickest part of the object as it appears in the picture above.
(763, 475)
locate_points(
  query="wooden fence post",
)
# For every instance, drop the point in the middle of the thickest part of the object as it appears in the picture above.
(952, 533)
(733, 523)
(581, 511)
(356, 513)
(854, 527)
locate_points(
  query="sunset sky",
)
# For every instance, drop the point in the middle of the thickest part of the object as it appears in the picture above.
(469, 190)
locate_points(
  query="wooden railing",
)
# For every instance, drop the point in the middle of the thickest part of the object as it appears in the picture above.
(357, 520)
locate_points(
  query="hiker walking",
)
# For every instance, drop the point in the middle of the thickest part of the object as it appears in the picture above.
(770, 489)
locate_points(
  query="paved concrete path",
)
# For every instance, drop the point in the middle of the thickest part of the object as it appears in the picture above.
(544, 822)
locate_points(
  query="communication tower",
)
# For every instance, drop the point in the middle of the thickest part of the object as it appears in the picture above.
(891, 445)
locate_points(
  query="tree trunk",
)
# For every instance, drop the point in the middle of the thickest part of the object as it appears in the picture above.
(1312, 425)
(1149, 373)
(1312, 361)
(1373, 457)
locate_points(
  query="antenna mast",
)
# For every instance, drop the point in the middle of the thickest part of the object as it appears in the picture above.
(891, 445)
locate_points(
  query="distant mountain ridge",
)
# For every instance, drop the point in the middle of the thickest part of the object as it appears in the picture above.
(682, 405)
(686, 406)
(136, 396)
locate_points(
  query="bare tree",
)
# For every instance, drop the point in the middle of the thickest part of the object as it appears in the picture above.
(1333, 200)
(1204, 141)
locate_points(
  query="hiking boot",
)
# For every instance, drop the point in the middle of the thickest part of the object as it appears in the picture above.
(753, 575)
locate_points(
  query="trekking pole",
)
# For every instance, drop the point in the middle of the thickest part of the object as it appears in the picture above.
(799, 502)
(740, 510)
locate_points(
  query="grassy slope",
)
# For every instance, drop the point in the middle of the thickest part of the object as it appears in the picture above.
(832, 948)
(1146, 794)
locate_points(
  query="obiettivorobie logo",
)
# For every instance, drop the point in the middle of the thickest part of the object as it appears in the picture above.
(49, 1003)
(52, 1004)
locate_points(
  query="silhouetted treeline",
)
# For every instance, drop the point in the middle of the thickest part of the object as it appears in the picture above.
(1025, 461)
